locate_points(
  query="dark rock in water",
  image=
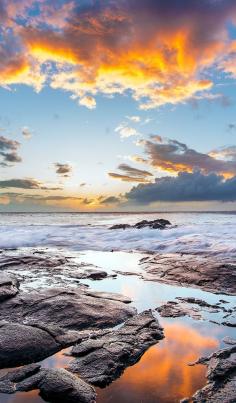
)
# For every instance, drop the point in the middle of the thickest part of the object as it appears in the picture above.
(20, 344)
(103, 359)
(9, 286)
(205, 272)
(121, 226)
(69, 308)
(55, 385)
(93, 274)
(175, 309)
(154, 224)
(58, 385)
(9, 382)
(221, 375)
(200, 302)
(231, 320)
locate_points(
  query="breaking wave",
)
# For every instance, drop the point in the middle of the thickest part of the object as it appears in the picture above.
(196, 233)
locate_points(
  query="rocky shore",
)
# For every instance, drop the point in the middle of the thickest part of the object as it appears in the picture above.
(45, 308)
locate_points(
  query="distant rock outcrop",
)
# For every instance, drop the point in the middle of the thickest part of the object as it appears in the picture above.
(154, 224)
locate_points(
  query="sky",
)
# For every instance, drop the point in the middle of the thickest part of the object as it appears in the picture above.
(117, 105)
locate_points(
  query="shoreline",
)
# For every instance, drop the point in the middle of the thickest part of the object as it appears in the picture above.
(43, 262)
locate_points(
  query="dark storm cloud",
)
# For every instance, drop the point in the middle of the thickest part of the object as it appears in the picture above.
(25, 184)
(63, 169)
(184, 188)
(8, 151)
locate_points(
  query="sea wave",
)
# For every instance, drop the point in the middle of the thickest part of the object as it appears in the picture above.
(198, 238)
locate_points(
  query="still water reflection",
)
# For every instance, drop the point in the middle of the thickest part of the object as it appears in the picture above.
(162, 374)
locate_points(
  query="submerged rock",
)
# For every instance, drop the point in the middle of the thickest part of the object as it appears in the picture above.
(221, 375)
(103, 359)
(154, 224)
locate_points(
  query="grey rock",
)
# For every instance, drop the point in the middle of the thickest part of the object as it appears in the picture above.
(9, 286)
(103, 359)
(175, 309)
(55, 385)
(70, 308)
(221, 375)
(19, 374)
(94, 274)
(58, 385)
(204, 272)
(154, 224)
(20, 344)
(120, 226)
(229, 340)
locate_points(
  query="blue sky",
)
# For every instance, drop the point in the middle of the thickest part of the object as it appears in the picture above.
(94, 126)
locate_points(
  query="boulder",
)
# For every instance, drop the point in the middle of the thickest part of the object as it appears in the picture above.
(9, 286)
(20, 344)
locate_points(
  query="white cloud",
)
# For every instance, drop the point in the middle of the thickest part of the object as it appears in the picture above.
(126, 131)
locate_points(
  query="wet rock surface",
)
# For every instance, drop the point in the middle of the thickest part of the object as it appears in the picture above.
(175, 309)
(221, 375)
(154, 224)
(103, 359)
(68, 308)
(55, 385)
(195, 308)
(202, 272)
(46, 268)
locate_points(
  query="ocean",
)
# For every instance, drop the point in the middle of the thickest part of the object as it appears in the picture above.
(196, 233)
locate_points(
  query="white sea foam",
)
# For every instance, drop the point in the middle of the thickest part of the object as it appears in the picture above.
(191, 233)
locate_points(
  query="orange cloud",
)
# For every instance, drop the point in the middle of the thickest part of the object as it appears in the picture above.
(172, 156)
(159, 51)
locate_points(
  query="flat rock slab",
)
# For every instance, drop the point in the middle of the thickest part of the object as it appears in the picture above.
(48, 268)
(55, 385)
(69, 308)
(202, 272)
(221, 375)
(103, 359)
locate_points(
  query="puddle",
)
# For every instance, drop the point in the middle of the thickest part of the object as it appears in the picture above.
(163, 374)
